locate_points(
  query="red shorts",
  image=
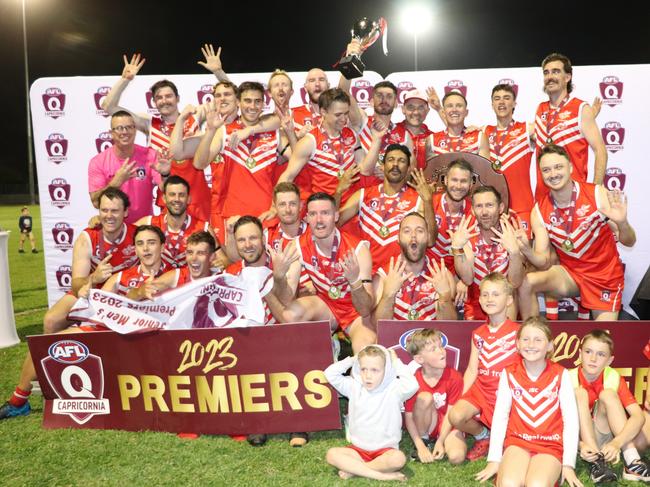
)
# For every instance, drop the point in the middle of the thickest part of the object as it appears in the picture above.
(343, 313)
(598, 294)
(369, 456)
(476, 398)
(524, 216)
(472, 309)
(554, 449)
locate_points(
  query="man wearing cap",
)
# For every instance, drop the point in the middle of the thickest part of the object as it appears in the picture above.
(415, 110)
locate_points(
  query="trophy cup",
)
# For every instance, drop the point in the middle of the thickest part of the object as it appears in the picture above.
(366, 32)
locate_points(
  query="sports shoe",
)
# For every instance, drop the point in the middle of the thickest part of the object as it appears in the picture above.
(8, 410)
(600, 472)
(21, 251)
(256, 439)
(637, 470)
(479, 449)
(428, 442)
(34, 251)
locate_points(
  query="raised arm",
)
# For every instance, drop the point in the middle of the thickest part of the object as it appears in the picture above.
(357, 269)
(211, 142)
(112, 100)
(613, 204)
(213, 62)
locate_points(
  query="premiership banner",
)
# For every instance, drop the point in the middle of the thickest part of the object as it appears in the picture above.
(234, 381)
(629, 339)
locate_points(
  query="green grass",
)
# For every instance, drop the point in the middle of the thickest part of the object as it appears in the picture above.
(31, 455)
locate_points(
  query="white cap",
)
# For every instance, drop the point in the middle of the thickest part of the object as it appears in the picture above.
(416, 94)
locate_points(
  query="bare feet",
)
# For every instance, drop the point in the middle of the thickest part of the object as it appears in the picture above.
(399, 476)
(345, 475)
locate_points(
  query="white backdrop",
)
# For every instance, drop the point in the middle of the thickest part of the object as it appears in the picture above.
(70, 128)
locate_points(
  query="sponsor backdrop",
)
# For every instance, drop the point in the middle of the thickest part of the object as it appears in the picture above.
(235, 381)
(240, 380)
(70, 128)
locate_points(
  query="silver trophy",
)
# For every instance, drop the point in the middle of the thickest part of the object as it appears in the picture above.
(366, 32)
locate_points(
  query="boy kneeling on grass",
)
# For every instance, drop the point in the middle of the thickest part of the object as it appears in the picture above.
(439, 388)
(376, 388)
(611, 421)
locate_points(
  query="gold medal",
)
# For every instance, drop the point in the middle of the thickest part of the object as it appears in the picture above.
(549, 140)
(250, 163)
(341, 172)
(218, 159)
(496, 165)
(384, 231)
(334, 292)
(380, 158)
(413, 314)
(567, 245)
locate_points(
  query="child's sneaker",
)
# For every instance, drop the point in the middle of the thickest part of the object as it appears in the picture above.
(8, 410)
(479, 449)
(600, 472)
(637, 470)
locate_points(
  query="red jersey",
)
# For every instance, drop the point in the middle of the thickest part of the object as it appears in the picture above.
(488, 257)
(468, 141)
(496, 351)
(278, 240)
(246, 187)
(304, 116)
(446, 222)
(159, 135)
(562, 126)
(592, 254)
(510, 153)
(445, 393)
(396, 134)
(419, 143)
(133, 277)
(417, 299)
(122, 250)
(379, 219)
(235, 269)
(176, 242)
(326, 273)
(608, 379)
(536, 422)
(331, 157)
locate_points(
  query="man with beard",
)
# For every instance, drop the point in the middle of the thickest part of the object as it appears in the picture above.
(568, 122)
(307, 117)
(382, 207)
(491, 248)
(339, 266)
(97, 253)
(176, 223)
(286, 200)
(134, 169)
(328, 150)
(456, 137)
(412, 286)
(582, 222)
(158, 128)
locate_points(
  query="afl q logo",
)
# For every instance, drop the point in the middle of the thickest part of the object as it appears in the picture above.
(59, 190)
(456, 85)
(403, 87)
(56, 146)
(64, 277)
(611, 91)
(205, 94)
(54, 102)
(614, 179)
(63, 234)
(104, 141)
(362, 92)
(613, 135)
(99, 98)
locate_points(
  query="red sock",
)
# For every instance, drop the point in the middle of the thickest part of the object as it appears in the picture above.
(19, 397)
(551, 308)
(583, 313)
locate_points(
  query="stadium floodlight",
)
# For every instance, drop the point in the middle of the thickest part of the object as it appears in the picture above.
(416, 18)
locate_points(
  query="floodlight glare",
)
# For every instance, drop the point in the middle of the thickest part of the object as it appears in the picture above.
(416, 18)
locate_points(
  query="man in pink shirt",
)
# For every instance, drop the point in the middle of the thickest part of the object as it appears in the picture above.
(134, 169)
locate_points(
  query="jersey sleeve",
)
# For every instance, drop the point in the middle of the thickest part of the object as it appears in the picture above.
(624, 393)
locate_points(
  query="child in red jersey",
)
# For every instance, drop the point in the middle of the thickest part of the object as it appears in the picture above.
(610, 418)
(439, 388)
(535, 425)
(493, 348)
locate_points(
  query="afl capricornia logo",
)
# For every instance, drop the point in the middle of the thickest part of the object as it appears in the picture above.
(362, 92)
(99, 98)
(613, 135)
(77, 378)
(103, 142)
(64, 277)
(54, 102)
(456, 85)
(205, 94)
(611, 90)
(510, 82)
(403, 87)
(614, 179)
(56, 146)
(63, 234)
(151, 104)
(59, 190)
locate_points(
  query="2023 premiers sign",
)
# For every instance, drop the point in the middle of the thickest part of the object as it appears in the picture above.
(234, 381)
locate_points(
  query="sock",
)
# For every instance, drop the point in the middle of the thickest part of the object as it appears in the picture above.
(551, 308)
(19, 397)
(483, 435)
(583, 313)
(631, 455)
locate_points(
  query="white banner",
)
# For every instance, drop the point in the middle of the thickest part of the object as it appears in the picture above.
(70, 128)
(221, 301)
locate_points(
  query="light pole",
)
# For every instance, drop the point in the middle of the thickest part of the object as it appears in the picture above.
(417, 18)
(30, 154)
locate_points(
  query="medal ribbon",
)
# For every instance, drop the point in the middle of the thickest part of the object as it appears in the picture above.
(448, 218)
(569, 211)
(393, 204)
(552, 115)
(499, 141)
(450, 146)
(175, 238)
(103, 251)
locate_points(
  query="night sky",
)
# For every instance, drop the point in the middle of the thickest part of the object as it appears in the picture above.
(80, 38)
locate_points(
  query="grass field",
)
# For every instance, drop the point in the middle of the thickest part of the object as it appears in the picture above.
(30, 455)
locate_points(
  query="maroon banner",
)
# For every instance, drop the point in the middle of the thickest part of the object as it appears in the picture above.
(629, 339)
(266, 379)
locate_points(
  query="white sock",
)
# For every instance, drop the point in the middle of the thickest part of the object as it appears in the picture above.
(483, 435)
(631, 455)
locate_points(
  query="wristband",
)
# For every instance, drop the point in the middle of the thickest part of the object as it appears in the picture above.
(353, 286)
